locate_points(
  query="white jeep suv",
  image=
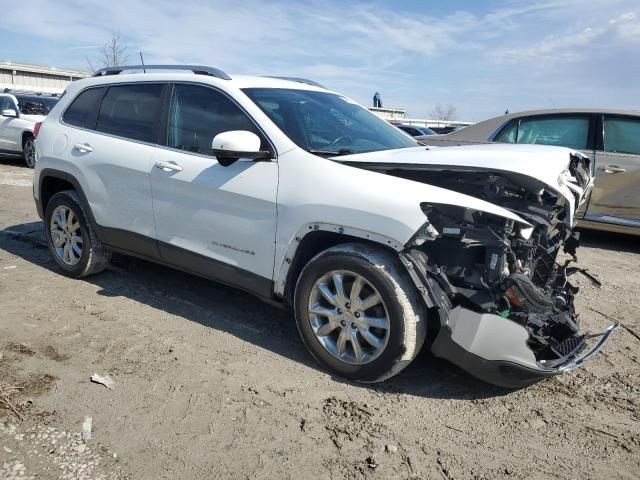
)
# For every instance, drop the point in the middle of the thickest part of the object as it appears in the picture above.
(304, 198)
(20, 116)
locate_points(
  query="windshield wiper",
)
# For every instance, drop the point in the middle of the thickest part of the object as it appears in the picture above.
(342, 151)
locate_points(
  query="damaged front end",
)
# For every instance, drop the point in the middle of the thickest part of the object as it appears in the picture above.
(505, 304)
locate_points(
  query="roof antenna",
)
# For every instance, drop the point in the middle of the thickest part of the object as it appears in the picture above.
(142, 60)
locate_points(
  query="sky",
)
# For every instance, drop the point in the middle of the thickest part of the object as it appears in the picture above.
(482, 56)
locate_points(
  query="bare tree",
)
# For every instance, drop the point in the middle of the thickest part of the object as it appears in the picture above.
(111, 54)
(444, 112)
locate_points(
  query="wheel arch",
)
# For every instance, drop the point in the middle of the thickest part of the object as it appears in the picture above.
(313, 239)
(53, 181)
(25, 135)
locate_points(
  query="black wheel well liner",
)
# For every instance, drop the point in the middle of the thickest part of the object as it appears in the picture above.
(26, 134)
(313, 243)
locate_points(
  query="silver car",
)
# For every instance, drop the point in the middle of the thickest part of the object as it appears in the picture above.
(610, 138)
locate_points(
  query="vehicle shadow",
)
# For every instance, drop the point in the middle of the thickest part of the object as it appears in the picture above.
(619, 242)
(240, 314)
(12, 160)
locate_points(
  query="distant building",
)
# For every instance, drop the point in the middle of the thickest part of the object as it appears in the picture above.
(389, 113)
(397, 115)
(36, 78)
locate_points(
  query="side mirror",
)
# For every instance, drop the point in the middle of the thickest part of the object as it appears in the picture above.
(10, 113)
(229, 147)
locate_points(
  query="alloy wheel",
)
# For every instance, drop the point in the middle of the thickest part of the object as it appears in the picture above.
(30, 153)
(66, 235)
(349, 317)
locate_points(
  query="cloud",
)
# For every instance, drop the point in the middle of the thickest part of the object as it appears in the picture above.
(515, 52)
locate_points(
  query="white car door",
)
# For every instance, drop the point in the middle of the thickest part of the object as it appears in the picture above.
(215, 220)
(118, 131)
(10, 131)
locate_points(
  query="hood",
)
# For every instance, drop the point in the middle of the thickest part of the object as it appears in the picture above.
(540, 163)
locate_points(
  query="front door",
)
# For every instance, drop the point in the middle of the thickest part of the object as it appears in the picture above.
(214, 220)
(10, 132)
(616, 194)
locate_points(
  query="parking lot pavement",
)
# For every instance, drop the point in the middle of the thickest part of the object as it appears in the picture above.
(211, 383)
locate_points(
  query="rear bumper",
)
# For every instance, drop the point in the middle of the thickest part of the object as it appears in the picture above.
(495, 349)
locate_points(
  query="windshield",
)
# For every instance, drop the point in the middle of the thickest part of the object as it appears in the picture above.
(326, 123)
(34, 105)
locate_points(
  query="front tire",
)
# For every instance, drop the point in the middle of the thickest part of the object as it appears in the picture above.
(71, 238)
(358, 312)
(29, 151)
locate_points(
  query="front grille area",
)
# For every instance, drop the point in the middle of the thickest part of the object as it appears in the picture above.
(572, 345)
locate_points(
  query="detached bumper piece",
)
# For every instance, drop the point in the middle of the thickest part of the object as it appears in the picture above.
(496, 349)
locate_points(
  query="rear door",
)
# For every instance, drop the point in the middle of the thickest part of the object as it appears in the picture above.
(214, 220)
(117, 130)
(616, 195)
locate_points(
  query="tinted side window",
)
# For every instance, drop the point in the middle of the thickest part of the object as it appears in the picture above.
(6, 104)
(563, 131)
(622, 135)
(509, 133)
(198, 114)
(33, 105)
(82, 108)
(131, 111)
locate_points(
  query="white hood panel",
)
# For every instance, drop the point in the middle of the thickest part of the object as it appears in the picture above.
(545, 164)
(537, 161)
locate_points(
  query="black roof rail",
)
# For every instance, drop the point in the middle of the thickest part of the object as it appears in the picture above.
(197, 69)
(299, 80)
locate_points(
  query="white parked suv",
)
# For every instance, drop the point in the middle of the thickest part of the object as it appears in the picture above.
(20, 116)
(302, 197)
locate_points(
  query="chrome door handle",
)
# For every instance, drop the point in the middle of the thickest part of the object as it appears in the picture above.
(612, 169)
(83, 147)
(168, 166)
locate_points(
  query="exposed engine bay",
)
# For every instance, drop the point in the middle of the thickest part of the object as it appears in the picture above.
(473, 261)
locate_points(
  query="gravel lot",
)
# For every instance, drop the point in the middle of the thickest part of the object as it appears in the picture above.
(212, 383)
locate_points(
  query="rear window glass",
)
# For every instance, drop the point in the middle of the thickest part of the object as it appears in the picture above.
(508, 135)
(35, 105)
(569, 132)
(131, 111)
(622, 135)
(79, 112)
(564, 131)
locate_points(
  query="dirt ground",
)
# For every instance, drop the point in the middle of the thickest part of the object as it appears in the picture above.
(212, 383)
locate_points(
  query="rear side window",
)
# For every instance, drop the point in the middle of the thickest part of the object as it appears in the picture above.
(81, 110)
(35, 105)
(508, 134)
(564, 131)
(131, 111)
(622, 135)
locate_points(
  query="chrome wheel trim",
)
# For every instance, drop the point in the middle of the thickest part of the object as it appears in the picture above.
(351, 328)
(66, 235)
(30, 153)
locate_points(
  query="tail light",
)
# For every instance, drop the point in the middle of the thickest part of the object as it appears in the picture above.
(36, 129)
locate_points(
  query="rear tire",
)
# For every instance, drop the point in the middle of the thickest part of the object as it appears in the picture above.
(359, 337)
(29, 151)
(72, 241)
